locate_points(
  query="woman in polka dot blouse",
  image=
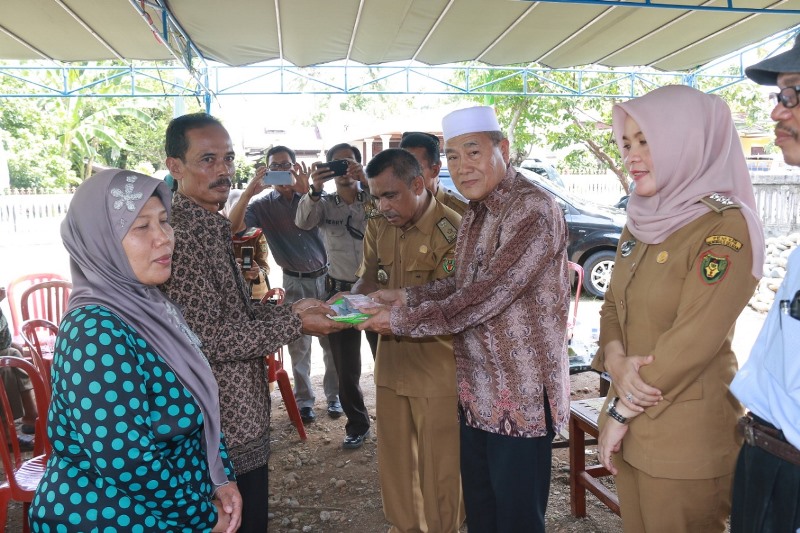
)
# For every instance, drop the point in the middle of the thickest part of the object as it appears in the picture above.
(134, 418)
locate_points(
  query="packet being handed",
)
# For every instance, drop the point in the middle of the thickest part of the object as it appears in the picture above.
(347, 308)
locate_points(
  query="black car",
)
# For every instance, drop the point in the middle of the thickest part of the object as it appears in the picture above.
(594, 231)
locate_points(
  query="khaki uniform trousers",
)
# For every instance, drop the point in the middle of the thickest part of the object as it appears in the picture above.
(660, 505)
(418, 460)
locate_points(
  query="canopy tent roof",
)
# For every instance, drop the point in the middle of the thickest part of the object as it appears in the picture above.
(674, 35)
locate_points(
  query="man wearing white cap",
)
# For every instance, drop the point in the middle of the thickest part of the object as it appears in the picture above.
(506, 305)
(766, 484)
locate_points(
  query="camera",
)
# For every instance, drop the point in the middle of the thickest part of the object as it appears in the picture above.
(247, 257)
(339, 167)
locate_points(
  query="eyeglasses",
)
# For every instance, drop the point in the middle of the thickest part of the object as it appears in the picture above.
(786, 96)
(431, 136)
(354, 233)
(280, 166)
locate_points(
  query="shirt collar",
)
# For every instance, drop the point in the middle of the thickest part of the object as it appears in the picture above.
(496, 199)
(428, 220)
(198, 212)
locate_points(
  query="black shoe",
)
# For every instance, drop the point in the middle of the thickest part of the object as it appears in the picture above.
(307, 415)
(335, 409)
(351, 442)
(25, 443)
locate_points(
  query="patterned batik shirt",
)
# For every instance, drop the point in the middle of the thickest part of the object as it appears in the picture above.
(506, 306)
(235, 334)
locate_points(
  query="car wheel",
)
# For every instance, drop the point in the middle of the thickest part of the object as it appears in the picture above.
(598, 270)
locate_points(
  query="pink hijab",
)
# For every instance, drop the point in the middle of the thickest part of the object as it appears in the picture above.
(696, 152)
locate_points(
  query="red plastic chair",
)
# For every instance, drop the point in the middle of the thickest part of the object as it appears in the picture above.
(22, 477)
(14, 291)
(39, 336)
(572, 320)
(47, 300)
(276, 372)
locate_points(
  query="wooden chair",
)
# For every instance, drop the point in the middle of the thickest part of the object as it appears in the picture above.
(15, 289)
(22, 477)
(276, 372)
(47, 300)
(583, 415)
(39, 336)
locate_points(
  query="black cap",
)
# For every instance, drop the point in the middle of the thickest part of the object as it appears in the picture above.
(766, 72)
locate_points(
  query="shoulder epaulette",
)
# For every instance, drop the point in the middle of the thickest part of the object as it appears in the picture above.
(448, 230)
(719, 202)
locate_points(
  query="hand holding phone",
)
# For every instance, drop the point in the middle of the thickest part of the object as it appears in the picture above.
(278, 177)
(338, 167)
(247, 257)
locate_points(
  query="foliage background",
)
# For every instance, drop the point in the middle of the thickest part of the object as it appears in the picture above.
(58, 142)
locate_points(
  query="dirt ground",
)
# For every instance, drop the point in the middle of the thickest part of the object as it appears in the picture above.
(316, 486)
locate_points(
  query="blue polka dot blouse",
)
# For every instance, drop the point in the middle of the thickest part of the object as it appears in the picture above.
(128, 452)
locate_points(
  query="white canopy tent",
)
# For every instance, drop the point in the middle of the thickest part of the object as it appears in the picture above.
(673, 35)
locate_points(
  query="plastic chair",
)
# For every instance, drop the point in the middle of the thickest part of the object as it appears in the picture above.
(276, 372)
(572, 320)
(39, 336)
(579, 353)
(47, 300)
(22, 477)
(14, 291)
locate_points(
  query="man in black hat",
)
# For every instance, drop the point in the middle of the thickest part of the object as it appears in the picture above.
(766, 489)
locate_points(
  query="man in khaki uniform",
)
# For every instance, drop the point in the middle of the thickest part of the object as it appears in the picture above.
(412, 244)
(425, 147)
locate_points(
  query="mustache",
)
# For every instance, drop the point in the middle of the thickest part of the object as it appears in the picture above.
(221, 181)
(791, 131)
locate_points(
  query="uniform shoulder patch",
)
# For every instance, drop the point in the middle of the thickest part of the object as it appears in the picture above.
(724, 240)
(713, 268)
(448, 230)
(719, 203)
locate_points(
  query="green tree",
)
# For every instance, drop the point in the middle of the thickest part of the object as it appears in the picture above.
(86, 123)
(34, 153)
(581, 124)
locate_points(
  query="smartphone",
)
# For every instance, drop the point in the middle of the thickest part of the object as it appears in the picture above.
(339, 167)
(278, 177)
(247, 257)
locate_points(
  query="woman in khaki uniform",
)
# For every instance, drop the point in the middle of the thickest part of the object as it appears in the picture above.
(688, 262)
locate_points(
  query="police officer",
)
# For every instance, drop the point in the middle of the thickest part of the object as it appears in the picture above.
(342, 219)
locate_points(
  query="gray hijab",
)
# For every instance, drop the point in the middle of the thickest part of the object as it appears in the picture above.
(99, 216)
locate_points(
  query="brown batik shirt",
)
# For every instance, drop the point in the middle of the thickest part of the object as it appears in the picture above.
(236, 335)
(506, 305)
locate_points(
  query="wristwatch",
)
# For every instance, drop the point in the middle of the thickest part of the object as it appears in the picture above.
(613, 413)
(313, 192)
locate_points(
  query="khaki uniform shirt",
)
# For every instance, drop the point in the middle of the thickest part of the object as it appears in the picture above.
(679, 301)
(451, 200)
(423, 367)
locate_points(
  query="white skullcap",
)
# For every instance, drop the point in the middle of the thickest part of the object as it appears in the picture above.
(469, 120)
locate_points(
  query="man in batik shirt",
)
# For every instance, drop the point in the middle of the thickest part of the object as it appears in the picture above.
(506, 306)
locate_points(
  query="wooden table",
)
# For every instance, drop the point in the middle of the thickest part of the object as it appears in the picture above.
(582, 420)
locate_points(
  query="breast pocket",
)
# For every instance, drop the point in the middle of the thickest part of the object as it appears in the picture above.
(336, 237)
(782, 360)
(421, 269)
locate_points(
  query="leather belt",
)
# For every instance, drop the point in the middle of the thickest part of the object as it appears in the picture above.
(768, 439)
(337, 285)
(314, 274)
